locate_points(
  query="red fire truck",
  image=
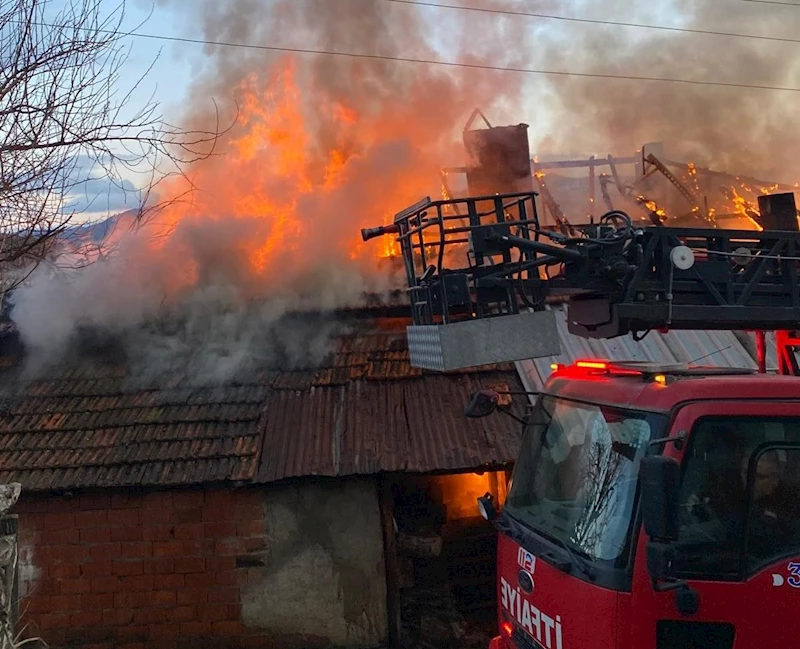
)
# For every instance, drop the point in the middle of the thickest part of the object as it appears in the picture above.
(650, 506)
(646, 510)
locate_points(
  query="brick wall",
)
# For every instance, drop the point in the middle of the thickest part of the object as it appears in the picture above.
(158, 570)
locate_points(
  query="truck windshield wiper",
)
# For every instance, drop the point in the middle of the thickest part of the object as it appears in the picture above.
(565, 565)
(575, 559)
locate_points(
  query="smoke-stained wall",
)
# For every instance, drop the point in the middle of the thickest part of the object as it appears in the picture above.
(323, 582)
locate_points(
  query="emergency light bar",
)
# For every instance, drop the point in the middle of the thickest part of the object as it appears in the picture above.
(592, 365)
(647, 370)
(582, 368)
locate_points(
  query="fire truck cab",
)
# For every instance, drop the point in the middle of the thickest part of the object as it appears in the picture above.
(653, 507)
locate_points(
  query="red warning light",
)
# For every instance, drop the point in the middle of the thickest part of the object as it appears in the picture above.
(592, 365)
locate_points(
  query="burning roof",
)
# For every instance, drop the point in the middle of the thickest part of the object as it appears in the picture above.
(648, 185)
(363, 410)
(268, 228)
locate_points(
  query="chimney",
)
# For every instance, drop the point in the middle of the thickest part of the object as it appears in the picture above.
(498, 160)
(778, 212)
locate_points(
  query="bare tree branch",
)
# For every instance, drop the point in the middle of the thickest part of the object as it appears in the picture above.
(62, 109)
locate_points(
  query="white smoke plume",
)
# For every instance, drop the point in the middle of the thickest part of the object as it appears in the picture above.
(739, 130)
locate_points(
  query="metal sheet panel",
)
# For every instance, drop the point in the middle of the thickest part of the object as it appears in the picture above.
(715, 348)
(441, 438)
(369, 427)
(472, 343)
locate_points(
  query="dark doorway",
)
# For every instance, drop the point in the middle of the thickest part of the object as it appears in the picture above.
(445, 560)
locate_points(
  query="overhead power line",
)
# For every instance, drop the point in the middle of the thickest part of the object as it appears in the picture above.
(592, 21)
(773, 2)
(448, 64)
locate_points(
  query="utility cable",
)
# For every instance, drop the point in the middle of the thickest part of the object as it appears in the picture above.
(592, 21)
(772, 2)
(449, 64)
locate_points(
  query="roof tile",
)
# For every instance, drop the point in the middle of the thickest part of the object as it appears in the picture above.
(364, 410)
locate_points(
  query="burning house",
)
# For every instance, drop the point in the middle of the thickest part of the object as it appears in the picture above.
(316, 490)
(163, 513)
(332, 505)
(221, 442)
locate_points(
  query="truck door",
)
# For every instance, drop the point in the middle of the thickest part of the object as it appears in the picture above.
(739, 532)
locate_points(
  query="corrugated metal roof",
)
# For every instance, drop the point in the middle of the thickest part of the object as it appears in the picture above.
(372, 426)
(716, 348)
(366, 410)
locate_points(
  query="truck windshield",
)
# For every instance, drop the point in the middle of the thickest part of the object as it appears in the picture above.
(577, 474)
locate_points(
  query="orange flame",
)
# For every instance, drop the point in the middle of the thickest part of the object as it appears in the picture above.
(652, 206)
(460, 492)
(299, 183)
(389, 250)
(692, 168)
(743, 207)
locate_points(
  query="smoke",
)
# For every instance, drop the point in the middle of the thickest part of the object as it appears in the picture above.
(322, 146)
(744, 131)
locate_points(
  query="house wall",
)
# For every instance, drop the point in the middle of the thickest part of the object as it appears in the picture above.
(278, 566)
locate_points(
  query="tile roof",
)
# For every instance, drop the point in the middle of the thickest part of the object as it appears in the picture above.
(363, 411)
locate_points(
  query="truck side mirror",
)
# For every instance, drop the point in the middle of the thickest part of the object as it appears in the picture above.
(486, 507)
(658, 477)
(481, 404)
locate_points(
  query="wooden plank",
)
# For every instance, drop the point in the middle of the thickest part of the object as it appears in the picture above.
(615, 174)
(578, 164)
(393, 578)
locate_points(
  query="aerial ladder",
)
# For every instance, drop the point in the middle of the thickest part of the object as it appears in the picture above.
(480, 279)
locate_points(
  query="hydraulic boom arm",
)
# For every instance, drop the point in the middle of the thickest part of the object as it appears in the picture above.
(477, 289)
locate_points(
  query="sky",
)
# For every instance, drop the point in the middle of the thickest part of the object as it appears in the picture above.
(162, 70)
(171, 61)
